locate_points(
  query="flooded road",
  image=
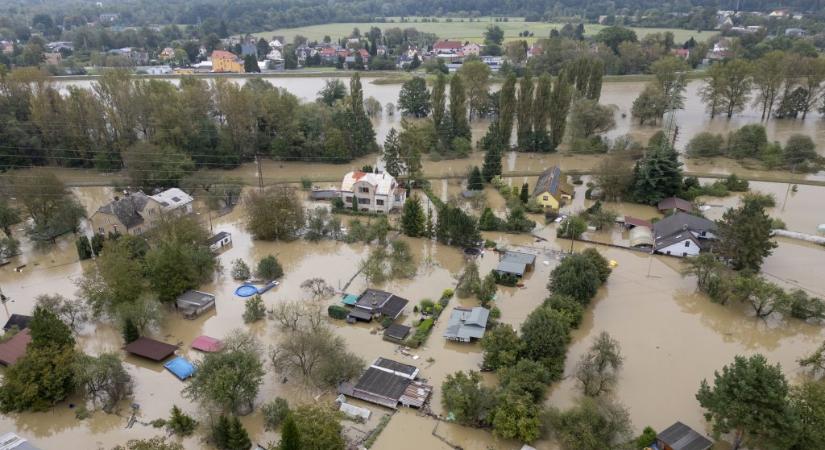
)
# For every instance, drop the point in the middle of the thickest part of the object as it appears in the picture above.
(671, 337)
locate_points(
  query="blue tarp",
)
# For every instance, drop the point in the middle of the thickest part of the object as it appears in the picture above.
(349, 299)
(180, 367)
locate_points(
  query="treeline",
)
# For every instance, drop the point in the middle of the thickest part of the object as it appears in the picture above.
(164, 131)
(527, 362)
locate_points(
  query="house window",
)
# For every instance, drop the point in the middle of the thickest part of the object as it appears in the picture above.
(348, 200)
(687, 243)
(363, 201)
(546, 198)
(364, 190)
(379, 202)
(100, 230)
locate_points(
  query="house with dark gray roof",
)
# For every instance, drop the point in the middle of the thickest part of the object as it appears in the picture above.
(551, 190)
(675, 204)
(374, 302)
(131, 213)
(11, 441)
(194, 303)
(516, 263)
(682, 234)
(467, 324)
(682, 437)
(389, 383)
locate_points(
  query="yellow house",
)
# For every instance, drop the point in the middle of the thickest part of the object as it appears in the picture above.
(551, 190)
(226, 62)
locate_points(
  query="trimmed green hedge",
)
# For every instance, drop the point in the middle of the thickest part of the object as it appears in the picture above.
(337, 312)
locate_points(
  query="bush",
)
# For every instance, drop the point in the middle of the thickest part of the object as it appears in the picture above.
(427, 306)
(799, 149)
(240, 271)
(567, 305)
(306, 183)
(447, 293)
(747, 142)
(647, 438)
(505, 279)
(386, 322)
(269, 268)
(705, 144)
(495, 313)
(254, 309)
(337, 312)
(274, 413)
(734, 184)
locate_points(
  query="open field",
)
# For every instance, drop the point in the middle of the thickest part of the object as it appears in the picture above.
(464, 31)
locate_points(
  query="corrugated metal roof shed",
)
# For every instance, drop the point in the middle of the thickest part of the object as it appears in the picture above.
(682, 437)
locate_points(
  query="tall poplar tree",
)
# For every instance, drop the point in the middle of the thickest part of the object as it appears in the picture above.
(559, 107)
(362, 135)
(507, 109)
(493, 145)
(458, 109)
(541, 110)
(524, 112)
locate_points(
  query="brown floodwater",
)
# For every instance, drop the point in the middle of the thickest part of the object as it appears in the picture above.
(671, 336)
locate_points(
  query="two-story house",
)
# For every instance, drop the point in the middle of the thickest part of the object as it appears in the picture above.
(226, 62)
(373, 192)
(133, 213)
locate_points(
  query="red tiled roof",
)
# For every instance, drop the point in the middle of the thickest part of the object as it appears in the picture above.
(358, 175)
(447, 45)
(14, 348)
(223, 54)
(629, 220)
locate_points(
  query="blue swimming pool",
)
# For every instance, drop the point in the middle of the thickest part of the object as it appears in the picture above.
(246, 290)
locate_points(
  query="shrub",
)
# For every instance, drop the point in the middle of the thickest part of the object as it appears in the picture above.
(705, 144)
(306, 183)
(747, 142)
(274, 413)
(254, 309)
(240, 271)
(647, 438)
(447, 293)
(386, 322)
(269, 268)
(427, 306)
(799, 149)
(734, 184)
(495, 313)
(337, 312)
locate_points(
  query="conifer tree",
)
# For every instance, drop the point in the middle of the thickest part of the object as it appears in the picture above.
(658, 175)
(290, 436)
(524, 195)
(392, 154)
(474, 181)
(559, 107)
(412, 218)
(492, 158)
(541, 109)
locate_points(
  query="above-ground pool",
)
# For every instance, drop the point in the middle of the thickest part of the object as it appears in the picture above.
(246, 290)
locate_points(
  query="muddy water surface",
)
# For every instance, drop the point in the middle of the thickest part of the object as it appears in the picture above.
(671, 337)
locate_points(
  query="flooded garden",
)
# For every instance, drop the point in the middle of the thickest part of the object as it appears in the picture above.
(671, 335)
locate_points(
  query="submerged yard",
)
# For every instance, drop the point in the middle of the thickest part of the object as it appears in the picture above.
(671, 336)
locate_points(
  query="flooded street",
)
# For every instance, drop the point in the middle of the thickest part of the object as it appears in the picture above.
(671, 337)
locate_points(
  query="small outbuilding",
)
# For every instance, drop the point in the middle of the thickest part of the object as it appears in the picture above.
(194, 303)
(516, 263)
(396, 333)
(180, 367)
(682, 437)
(675, 204)
(641, 236)
(467, 324)
(207, 344)
(150, 349)
(14, 348)
(220, 240)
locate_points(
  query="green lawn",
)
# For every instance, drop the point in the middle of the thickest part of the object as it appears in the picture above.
(464, 31)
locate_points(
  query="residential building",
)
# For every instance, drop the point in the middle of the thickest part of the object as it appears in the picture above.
(447, 47)
(275, 43)
(389, 383)
(551, 190)
(275, 55)
(11, 441)
(58, 46)
(7, 47)
(682, 235)
(516, 263)
(174, 201)
(14, 348)
(19, 321)
(249, 48)
(681, 437)
(467, 324)
(167, 53)
(226, 62)
(396, 333)
(373, 192)
(133, 213)
(471, 48)
(108, 19)
(374, 302)
(150, 349)
(795, 32)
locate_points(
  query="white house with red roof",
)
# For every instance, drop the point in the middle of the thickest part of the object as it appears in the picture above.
(373, 192)
(447, 47)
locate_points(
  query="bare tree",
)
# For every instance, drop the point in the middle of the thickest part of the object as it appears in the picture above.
(318, 288)
(297, 316)
(73, 312)
(598, 369)
(317, 355)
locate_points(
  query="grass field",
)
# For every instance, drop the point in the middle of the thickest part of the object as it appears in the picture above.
(464, 31)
